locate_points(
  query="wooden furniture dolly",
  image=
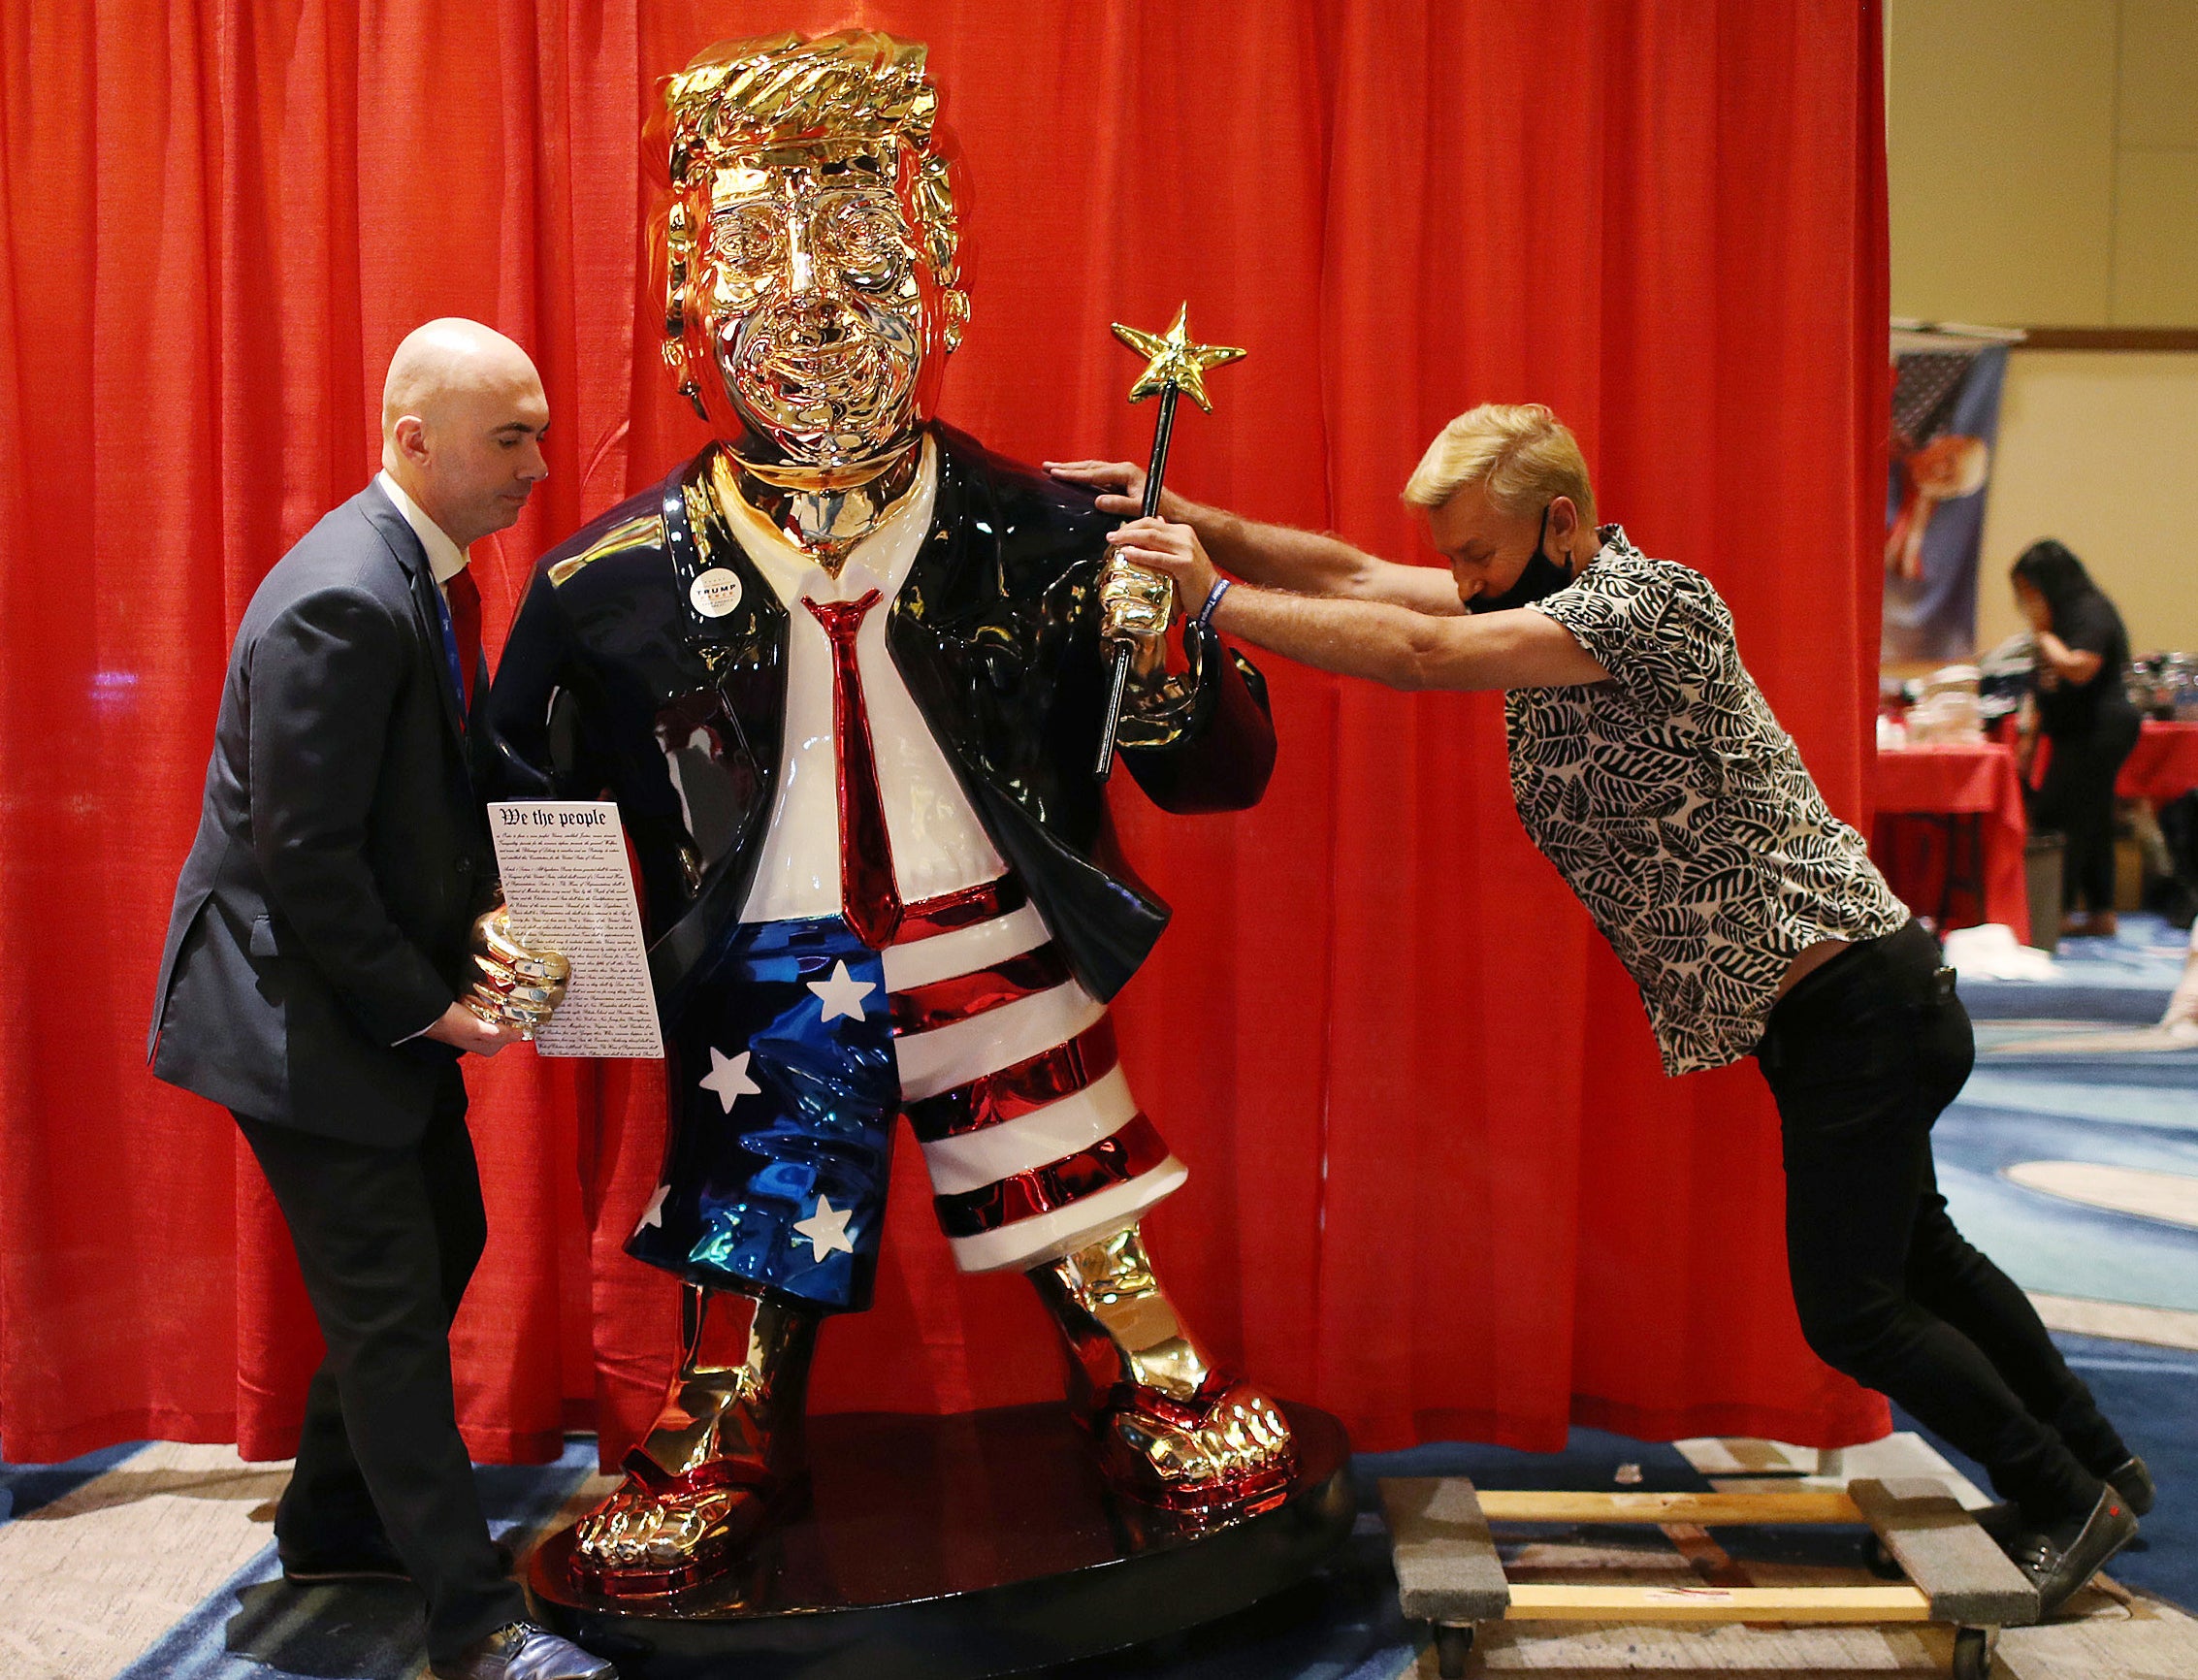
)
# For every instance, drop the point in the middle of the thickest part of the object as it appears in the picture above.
(1448, 1573)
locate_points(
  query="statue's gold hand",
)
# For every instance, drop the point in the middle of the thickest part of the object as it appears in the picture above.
(519, 985)
(1135, 605)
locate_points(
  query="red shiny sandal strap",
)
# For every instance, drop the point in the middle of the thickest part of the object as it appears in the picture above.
(1134, 1398)
(715, 1476)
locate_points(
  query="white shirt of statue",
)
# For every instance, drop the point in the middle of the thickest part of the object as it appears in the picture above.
(938, 844)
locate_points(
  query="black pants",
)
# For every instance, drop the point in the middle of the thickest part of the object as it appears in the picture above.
(2075, 801)
(387, 1238)
(1861, 1056)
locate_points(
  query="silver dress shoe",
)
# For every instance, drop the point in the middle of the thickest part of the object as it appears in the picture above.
(522, 1651)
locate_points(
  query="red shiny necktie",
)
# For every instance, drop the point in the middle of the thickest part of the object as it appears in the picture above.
(465, 597)
(869, 898)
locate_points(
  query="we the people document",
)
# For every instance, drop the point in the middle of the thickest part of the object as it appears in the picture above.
(567, 882)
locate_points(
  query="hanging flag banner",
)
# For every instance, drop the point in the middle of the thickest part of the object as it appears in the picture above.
(1945, 427)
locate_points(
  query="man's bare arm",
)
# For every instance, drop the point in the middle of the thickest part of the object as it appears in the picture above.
(1518, 649)
(1405, 649)
(1313, 562)
(1277, 556)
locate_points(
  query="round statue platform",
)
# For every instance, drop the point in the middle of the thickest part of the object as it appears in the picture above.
(948, 1548)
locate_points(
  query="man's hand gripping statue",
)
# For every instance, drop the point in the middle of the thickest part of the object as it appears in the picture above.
(844, 673)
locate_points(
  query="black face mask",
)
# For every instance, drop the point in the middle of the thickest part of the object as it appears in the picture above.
(1542, 576)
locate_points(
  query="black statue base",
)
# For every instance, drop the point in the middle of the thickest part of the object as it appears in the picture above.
(948, 1548)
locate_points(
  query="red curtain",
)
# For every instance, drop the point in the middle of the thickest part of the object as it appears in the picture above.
(1438, 1182)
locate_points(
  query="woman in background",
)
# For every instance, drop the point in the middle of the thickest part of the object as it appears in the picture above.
(2085, 713)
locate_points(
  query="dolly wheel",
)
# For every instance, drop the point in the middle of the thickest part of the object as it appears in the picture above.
(1972, 1653)
(1453, 1644)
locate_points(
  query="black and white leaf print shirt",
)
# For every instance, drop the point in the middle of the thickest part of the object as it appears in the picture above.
(1677, 808)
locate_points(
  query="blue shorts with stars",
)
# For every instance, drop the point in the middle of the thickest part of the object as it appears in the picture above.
(784, 1093)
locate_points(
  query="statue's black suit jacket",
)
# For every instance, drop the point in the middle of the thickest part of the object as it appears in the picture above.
(614, 682)
(323, 913)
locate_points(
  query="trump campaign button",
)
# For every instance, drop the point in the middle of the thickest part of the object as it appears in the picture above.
(715, 592)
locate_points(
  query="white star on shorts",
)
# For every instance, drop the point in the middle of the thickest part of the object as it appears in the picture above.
(728, 1078)
(826, 1229)
(653, 1212)
(843, 993)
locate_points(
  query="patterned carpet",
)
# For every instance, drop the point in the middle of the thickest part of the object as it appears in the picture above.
(2072, 1158)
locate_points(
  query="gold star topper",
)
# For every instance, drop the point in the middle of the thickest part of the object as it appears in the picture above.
(1175, 361)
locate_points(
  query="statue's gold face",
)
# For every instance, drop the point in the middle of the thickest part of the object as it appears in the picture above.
(812, 313)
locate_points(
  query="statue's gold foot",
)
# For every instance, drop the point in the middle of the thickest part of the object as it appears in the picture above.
(1226, 1449)
(660, 1533)
(1173, 1430)
(730, 1428)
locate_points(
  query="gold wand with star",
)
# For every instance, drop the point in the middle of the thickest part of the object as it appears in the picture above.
(1176, 365)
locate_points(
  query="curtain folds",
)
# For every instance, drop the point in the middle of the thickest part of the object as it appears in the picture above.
(1439, 1185)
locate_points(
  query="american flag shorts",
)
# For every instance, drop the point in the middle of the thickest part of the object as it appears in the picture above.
(800, 1046)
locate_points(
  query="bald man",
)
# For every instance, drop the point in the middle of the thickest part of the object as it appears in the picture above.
(315, 961)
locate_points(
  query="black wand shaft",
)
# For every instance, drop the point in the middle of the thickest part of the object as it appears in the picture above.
(1163, 430)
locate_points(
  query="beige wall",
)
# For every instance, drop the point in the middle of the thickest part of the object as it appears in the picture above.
(2122, 495)
(2043, 161)
(2043, 164)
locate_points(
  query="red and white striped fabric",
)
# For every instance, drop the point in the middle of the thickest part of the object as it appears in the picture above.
(1010, 1080)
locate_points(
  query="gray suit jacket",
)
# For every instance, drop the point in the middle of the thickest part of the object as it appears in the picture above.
(322, 915)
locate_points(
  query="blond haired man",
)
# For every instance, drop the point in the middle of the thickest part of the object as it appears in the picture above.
(1648, 768)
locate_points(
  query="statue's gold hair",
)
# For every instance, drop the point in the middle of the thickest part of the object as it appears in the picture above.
(744, 100)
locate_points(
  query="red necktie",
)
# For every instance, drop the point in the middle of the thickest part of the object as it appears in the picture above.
(868, 895)
(465, 597)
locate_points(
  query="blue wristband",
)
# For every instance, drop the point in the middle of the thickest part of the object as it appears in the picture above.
(1220, 589)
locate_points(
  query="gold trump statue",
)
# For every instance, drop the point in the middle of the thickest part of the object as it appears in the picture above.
(844, 672)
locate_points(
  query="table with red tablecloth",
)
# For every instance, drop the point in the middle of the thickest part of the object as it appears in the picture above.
(2163, 764)
(1950, 831)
